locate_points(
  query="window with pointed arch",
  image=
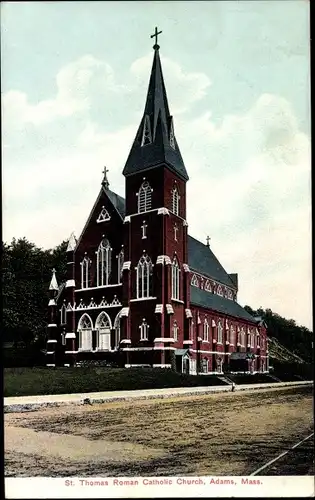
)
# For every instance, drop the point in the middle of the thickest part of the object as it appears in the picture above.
(103, 329)
(175, 279)
(63, 314)
(242, 337)
(220, 332)
(85, 333)
(117, 329)
(232, 335)
(144, 197)
(85, 272)
(146, 135)
(252, 339)
(104, 262)
(175, 200)
(144, 277)
(175, 330)
(191, 330)
(120, 264)
(144, 330)
(206, 329)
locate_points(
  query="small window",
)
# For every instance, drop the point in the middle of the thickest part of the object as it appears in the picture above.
(144, 197)
(175, 331)
(144, 330)
(120, 264)
(205, 365)
(220, 333)
(175, 200)
(63, 315)
(85, 272)
(175, 279)
(206, 329)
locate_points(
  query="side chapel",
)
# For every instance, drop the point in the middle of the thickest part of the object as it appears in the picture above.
(139, 288)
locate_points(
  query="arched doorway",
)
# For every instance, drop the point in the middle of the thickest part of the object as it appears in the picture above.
(103, 327)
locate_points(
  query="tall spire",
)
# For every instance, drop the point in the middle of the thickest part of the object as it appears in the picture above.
(71, 243)
(155, 142)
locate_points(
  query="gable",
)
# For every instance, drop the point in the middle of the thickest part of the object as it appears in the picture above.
(107, 212)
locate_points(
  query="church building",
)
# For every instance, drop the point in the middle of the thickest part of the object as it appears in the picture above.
(140, 290)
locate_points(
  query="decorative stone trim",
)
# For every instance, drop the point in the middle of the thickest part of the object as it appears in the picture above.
(163, 211)
(214, 341)
(159, 309)
(71, 352)
(163, 259)
(213, 323)
(125, 341)
(126, 265)
(162, 366)
(127, 219)
(185, 223)
(199, 339)
(51, 364)
(186, 268)
(52, 341)
(188, 313)
(52, 324)
(124, 312)
(169, 309)
(70, 335)
(188, 342)
(227, 342)
(70, 283)
(164, 339)
(52, 302)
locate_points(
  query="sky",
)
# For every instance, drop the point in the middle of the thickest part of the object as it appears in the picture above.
(74, 81)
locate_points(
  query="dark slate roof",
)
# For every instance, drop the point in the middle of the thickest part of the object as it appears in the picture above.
(159, 151)
(202, 259)
(117, 201)
(212, 301)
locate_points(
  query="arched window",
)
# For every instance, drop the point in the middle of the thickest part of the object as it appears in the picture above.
(175, 279)
(144, 277)
(103, 327)
(242, 337)
(117, 329)
(175, 200)
(206, 331)
(192, 329)
(175, 330)
(85, 333)
(232, 335)
(144, 330)
(63, 314)
(85, 272)
(120, 264)
(144, 197)
(220, 333)
(104, 262)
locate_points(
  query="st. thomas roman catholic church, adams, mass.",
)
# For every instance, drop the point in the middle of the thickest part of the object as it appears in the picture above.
(139, 289)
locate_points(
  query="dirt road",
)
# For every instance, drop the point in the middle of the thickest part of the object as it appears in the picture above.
(217, 434)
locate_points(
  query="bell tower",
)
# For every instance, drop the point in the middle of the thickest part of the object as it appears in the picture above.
(156, 288)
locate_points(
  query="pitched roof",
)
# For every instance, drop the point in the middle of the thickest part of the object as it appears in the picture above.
(159, 124)
(212, 301)
(117, 201)
(202, 259)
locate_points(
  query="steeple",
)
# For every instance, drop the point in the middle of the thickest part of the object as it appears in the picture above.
(155, 142)
(53, 284)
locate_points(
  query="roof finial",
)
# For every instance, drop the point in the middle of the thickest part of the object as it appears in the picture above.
(105, 182)
(72, 242)
(208, 241)
(53, 284)
(155, 35)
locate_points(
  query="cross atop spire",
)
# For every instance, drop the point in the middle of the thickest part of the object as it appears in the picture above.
(155, 35)
(208, 241)
(105, 182)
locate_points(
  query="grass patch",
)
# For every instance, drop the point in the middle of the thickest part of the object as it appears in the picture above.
(36, 381)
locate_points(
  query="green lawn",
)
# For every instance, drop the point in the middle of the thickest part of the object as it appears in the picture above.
(33, 381)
